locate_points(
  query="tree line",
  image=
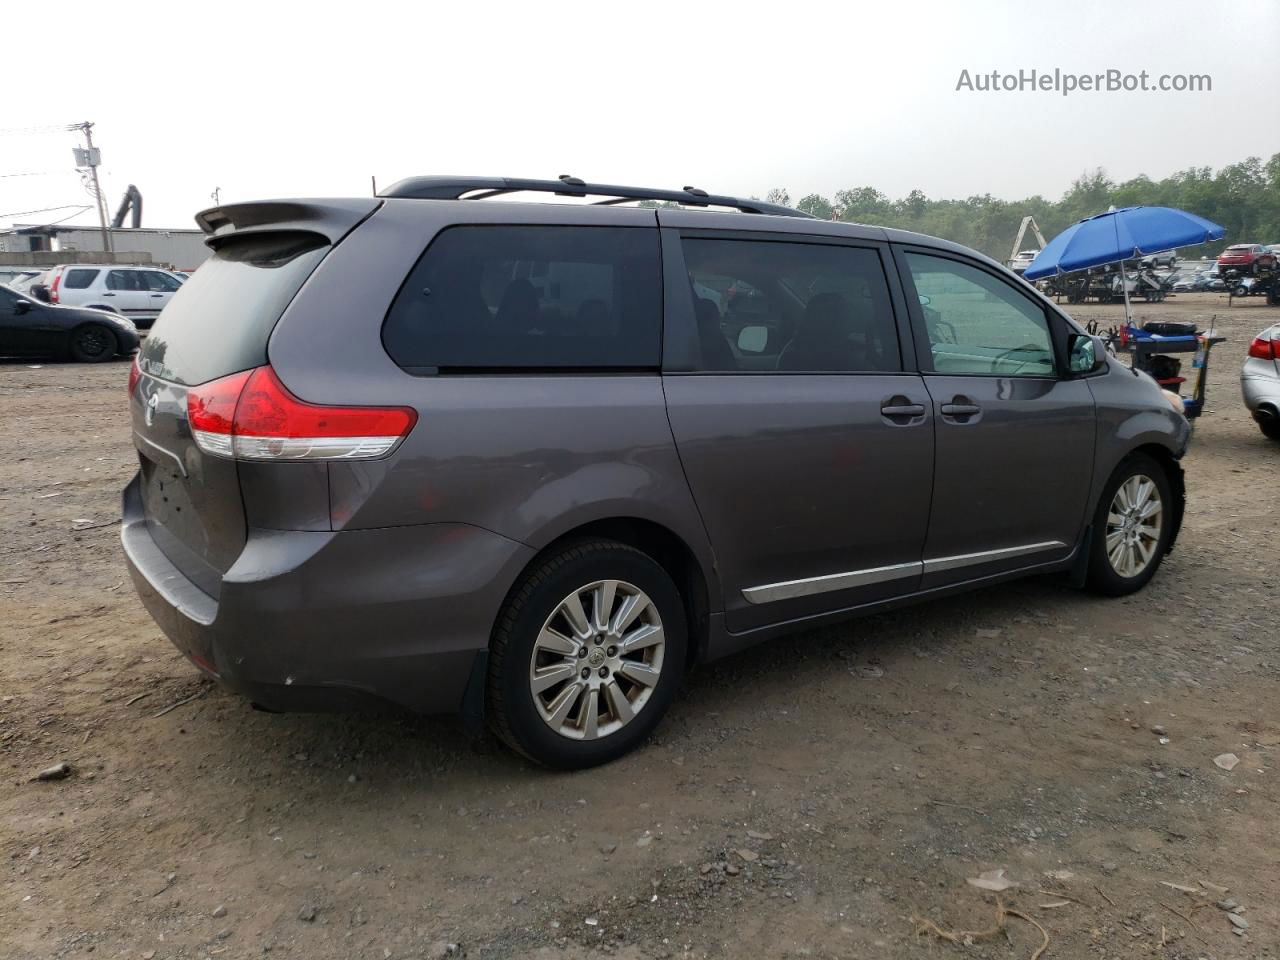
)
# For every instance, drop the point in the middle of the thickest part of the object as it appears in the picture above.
(1243, 197)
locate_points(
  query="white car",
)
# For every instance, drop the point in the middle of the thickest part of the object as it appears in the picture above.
(1260, 381)
(1023, 260)
(138, 293)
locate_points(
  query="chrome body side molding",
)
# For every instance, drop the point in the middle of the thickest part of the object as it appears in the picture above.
(789, 589)
(832, 581)
(986, 556)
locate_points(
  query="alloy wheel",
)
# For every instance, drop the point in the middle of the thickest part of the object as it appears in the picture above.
(1134, 523)
(597, 660)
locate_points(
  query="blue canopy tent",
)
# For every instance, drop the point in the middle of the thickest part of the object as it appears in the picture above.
(1119, 235)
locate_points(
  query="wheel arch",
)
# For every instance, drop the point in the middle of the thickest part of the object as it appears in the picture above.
(1164, 456)
(666, 547)
(1268, 407)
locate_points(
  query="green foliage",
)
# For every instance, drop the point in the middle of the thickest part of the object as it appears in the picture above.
(816, 206)
(1243, 197)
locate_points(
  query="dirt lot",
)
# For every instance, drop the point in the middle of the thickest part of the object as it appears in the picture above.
(818, 797)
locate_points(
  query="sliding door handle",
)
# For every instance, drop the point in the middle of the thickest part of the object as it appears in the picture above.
(903, 410)
(960, 409)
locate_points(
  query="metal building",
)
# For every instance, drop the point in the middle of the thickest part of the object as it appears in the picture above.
(179, 249)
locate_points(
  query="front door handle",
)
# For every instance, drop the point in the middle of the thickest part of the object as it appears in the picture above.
(157, 295)
(108, 294)
(960, 410)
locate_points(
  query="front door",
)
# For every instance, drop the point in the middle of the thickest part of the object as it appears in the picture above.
(1014, 437)
(161, 287)
(807, 447)
(28, 327)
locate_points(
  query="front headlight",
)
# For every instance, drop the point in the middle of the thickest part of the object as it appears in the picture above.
(1175, 402)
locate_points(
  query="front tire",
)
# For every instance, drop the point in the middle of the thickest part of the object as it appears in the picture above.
(1132, 527)
(587, 656)
(1270, 428)
(93, 343)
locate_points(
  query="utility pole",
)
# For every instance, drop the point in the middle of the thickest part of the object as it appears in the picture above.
(216, 195)
(92, 157)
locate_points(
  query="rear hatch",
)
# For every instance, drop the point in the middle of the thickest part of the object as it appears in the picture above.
(218, 324)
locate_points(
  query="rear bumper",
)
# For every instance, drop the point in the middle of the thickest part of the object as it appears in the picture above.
(328, 620)
(1261, 394)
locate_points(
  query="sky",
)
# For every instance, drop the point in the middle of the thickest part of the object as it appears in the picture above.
(261, 100)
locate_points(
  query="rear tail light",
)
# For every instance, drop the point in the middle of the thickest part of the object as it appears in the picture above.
(252, 416)
(135, 374)
(1263, 349)
(53, 288)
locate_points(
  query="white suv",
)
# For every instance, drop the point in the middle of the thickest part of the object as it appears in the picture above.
(138, 293)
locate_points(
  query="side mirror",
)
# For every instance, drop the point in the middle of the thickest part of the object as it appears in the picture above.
(21, 306)
(1083, 353)
(753, 339)
(924, 301)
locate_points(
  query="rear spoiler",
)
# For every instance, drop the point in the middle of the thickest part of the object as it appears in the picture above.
(331, 219)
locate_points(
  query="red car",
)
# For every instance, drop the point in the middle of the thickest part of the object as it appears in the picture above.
(1248, 258)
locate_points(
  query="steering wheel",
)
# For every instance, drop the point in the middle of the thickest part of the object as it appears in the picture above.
(1000, 358)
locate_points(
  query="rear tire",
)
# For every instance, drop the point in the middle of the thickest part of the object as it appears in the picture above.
(563, 688)
(1270, 428)
(93, 343)
(1132, 527)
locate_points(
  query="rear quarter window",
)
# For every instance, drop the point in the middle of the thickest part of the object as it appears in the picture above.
(219, 321)
(79, 279)
(485, 298)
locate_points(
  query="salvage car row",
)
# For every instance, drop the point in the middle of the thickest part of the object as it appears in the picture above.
(85, 312)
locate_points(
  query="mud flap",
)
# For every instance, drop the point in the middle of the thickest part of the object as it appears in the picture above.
(473, 721)
(1079, 572)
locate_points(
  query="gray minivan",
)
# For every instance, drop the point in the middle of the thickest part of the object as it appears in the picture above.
(529, 461)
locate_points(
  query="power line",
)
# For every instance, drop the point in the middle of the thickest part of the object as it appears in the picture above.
(23, 213)
(34, 173)
(49, 128)
(54, 223)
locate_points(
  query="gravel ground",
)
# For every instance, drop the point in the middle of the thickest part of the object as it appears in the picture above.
(821, 796)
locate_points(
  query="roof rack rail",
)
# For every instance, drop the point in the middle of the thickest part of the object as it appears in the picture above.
(455, 188)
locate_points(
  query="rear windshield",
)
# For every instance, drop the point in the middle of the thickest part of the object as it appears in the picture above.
(218, 322)
(530, 297)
